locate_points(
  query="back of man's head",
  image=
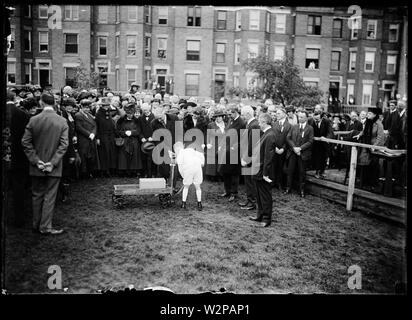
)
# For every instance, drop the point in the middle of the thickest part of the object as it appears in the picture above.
(47, 99)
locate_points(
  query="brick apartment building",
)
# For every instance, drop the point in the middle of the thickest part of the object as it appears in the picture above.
(198, 50)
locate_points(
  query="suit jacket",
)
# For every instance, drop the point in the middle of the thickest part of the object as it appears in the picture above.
(280, 140)
(266, 151)
(145, 125)
(246, 138)
(295, 139)
(46, 138)
(324, 130)
(356, 127)
(18, 122)
(392, 123)
(170, 125)
(404, 129)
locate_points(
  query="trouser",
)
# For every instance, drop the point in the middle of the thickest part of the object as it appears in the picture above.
(19, 185)
(296, 161)
(231, 183)
(44, 192)
(147, 163)
(250, 188)
(278, 163)
(264, 200)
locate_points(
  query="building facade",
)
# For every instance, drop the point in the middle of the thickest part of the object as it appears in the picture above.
(197, 51)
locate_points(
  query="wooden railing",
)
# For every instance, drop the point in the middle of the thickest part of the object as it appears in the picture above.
(354, 160)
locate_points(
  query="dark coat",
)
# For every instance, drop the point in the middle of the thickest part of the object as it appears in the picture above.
(106, 133)
(404, 129)
(145, 126)
(356, 127)
(294, 139)
(130, 157)
(46, 138)
(214, 137)
(87, 148)
(280, 135)
(18, 122)
(246, 139)
(266, 151)
(392, 123)
(231, 148)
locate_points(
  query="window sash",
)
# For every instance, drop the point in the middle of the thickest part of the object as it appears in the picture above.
(27, 40)
(27, 73)
(11, 72)
(391, 64)
(163, 15)
(27, 11)
(117, 46)
(43, 11)
(279, 52)
(131, 76)
(71, 43)
(280, 23)
(162, 43)
(132, 13)
(335, 64)
(238, 20)
(254, 19)
(131, 45)
(147, 46)
(337, 28)
(312, 53)
(236, 81)
(393, 32)
(221, 15)
(43, 41)
(192, 84)
(352, 61)
(253, 50)
(103, 12)
(369, 61)
(267, 22)
(371, 29)
(102, 46)
(367, 94)
(314, 25)
(237, 53)
(193, 45)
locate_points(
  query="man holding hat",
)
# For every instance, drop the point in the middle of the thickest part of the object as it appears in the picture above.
(45, 142)
(145, 137)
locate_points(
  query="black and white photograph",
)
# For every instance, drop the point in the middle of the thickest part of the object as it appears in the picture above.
(192, 149)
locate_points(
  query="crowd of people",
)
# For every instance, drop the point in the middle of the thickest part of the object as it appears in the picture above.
(112, 135)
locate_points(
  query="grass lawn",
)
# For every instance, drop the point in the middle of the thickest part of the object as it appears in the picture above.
(308, 250)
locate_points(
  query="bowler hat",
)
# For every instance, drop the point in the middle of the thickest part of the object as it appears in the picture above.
(147, 147)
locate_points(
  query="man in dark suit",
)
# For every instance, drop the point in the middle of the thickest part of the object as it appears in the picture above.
(300, 140)
(404, 123)
(392, 126)
(45, 142)
(321, 128)
(146, 133)
(281, 128)
(262, 169)
(231, 171)
(246, 139)
(19, 167)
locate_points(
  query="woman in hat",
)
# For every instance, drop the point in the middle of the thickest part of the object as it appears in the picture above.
(216, 131)
(85, 126)
(105, 138)
(128, 128)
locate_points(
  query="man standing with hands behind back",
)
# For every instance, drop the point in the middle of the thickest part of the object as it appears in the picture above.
(45, 142)
(262, 169)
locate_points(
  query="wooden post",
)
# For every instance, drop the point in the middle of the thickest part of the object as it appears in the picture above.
(352, 178)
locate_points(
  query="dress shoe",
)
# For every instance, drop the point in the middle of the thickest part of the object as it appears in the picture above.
(287, 191)
(52, 232)
(255, 219)
(252, 206)
(199, 206)
(244, 204)
(224, 195)
(183, 206)
(265, 224)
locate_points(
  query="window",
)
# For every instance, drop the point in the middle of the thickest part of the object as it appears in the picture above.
(71, 12)
(27, 73)
(279, 52)
(117, 78)
(163, 15)
(238, 20)
(355, 29)
(71, 43)
(70, 76)
(237, 53)
(335, 64)
(43, 12)
(254, 21)
(393, 32)
(369, 61)
(102, 46)
(337, 28)
(311, 83)
(251, 82)
(147, 46)
(280, 23)
(117, 14)
(192, 84)
(235, 81)
(312, 59)
(13, 37)
(266, 50)
(131, 46)
(220, 52)
(193, 16)
(161, 48)
(267, 22)
(11, 72)
(27, 40)
(43, 41)
(314, 24)
(117, 46)
(147, 77)
(132, 13)
(103, 68)
(148, 14)
(352, 61)
(221, 20)
(351, 93)
(391, 64)
(367, 94)
(131, 76)
(103, 14)
(253, 50)
(371, 29)
(27, 11)
(193, 50)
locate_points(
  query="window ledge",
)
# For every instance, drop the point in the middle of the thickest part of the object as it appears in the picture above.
(314, 35)
(306, 69)
(351, 71)
(70, 55)
(368, 71)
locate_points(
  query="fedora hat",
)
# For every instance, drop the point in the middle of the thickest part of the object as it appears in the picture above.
(147, 147)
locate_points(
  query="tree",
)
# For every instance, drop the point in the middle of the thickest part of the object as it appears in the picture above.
(280, 80)
(85, 79)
